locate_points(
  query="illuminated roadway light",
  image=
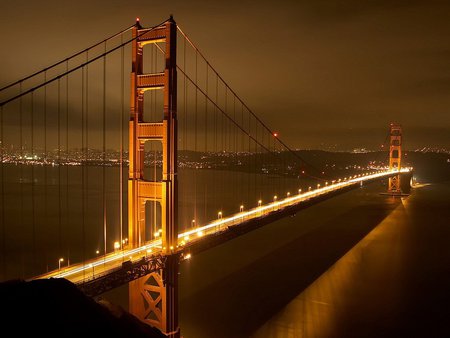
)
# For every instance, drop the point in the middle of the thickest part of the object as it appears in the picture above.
(259, 203)
(241, 208)
(188, 256)
(219, 215)
(116, 258)
(288, 194)
(275, 197)
(299, 191)
(116, 245)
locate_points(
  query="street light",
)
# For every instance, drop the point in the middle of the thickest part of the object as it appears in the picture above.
(97, 251)
(92, 266)
(318, 186)
(259, 203)
(241, 208)
(275, 198)
(299, 191)
(59, 264)
(219, 215)
(288, 194)
(116, 246)
(193, 223)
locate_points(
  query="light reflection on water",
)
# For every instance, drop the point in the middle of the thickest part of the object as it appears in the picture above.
(319, 310)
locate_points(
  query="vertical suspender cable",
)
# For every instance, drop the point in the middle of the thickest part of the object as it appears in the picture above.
(103, 155)
(234, 149)
(206, 142)
(155, 222)
(21, 176)
(223, 146)
(250, 156)
(242, 140)
(122, 113)
(216, 158)
(45, 159)
(33, 222)
(185, 99)
(195, 132)
(67, 157)
(59, 167)
(83, 169)
(2, 146)
(86, 146)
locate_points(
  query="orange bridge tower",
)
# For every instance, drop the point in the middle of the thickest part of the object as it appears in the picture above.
(154, 298)
(395, 157)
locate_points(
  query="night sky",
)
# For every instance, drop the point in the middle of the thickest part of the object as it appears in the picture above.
(326, 74)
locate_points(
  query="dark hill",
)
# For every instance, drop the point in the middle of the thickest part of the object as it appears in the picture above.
(56, 308)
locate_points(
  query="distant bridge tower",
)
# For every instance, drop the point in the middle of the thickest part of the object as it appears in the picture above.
(395, 156)
(154, 298)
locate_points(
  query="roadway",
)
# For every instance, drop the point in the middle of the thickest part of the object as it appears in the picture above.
(94, 268)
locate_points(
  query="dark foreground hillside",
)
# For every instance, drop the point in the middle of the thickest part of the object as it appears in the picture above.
(56, 308)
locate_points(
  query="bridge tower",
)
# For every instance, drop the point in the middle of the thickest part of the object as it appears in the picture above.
(154, 298)
(395, 156)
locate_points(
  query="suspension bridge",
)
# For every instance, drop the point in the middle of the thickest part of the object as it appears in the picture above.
(203, 168)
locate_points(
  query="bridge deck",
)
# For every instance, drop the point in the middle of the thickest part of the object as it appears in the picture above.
(209, 235)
